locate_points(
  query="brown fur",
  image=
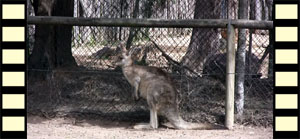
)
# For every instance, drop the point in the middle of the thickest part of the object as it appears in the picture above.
(154, 85)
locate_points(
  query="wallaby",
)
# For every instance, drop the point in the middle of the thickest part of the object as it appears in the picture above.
(156, 87)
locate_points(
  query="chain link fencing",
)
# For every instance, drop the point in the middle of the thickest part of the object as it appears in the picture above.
(194, 57)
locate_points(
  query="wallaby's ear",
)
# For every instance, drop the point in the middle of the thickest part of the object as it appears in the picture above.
(130, 52)
(123, 50)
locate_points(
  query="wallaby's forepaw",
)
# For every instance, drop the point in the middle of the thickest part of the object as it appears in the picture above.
(136, 97)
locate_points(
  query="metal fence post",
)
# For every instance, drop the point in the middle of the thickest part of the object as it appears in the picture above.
(230, 76)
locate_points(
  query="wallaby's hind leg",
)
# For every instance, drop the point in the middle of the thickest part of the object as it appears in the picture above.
(153, 118)
(153, 121)
(175, 120)
(152, 103)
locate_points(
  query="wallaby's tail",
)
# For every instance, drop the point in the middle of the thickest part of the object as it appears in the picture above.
(190, 126)
(178, 123)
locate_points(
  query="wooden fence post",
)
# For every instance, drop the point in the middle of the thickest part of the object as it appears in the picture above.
(230, 76)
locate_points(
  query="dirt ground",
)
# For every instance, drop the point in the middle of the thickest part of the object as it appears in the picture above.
(95, 105)
(70, 128)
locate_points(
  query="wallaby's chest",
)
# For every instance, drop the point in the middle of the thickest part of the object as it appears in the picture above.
(130, 75)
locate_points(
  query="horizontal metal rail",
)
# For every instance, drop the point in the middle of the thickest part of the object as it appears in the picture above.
(167, 23)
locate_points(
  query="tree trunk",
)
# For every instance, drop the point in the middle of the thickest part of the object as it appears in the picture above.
(146, 13)
(133, 31)
(200, 46)
(52, 47)
(271, 56)
(241, 59)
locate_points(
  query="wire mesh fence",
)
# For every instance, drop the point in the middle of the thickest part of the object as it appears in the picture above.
(195, 57)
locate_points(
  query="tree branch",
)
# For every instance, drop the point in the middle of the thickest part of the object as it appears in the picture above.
(175, 63)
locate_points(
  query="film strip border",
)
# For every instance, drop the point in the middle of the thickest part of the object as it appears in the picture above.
(13, 75)
(286, 68)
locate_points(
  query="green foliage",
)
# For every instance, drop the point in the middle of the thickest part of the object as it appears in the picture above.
(104, 42)
(140, 37)
(105, 57)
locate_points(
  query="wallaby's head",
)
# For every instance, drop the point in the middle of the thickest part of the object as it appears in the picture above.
(125, 58)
